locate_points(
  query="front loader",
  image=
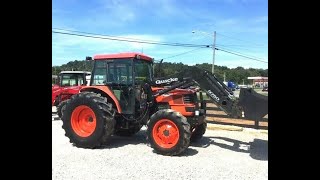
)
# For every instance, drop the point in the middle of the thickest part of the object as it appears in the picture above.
(123, 96)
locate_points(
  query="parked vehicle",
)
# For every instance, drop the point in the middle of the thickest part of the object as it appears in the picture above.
(231, 85)
(67, 83)
(265, 88)
(123, 96)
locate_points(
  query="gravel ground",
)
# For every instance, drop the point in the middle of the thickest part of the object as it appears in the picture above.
(219, 155)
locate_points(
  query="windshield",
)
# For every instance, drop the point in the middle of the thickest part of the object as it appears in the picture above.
(120, 72)
(143, 71)
(112, 71)
(72, 80)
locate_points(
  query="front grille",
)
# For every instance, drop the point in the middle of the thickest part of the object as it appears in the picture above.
(190, 109)
(189, 99)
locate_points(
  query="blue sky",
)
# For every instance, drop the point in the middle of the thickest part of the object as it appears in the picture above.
(241, 27)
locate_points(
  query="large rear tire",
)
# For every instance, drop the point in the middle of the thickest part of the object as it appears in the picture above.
(168, 132)
(88, 120)
(198, 132)
(56, 101)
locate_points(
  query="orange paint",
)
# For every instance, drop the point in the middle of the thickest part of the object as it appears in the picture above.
(165, 133)
(83, 121)
(123, 56)
(175, 100)
(106, 90)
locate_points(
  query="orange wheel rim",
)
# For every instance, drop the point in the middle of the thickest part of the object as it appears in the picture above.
(83, 121)
(165, 133)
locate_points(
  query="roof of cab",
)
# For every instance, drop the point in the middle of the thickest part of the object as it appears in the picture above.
(123, 56)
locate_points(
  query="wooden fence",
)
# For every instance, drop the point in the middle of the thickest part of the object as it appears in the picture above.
(217, 116)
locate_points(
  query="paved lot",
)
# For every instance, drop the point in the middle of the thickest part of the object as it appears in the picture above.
(219, 155)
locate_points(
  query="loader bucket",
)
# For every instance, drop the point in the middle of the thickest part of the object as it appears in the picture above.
(254, 105)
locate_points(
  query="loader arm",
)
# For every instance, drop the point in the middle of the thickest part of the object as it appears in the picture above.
(249, 105)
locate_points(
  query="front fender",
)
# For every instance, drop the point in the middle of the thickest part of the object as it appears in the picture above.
(104, 91)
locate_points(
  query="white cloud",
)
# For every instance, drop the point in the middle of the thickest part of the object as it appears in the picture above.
(235, 1)
(67, 40)
(227, 22)
(59, 11)
(118, 16)
(122, 12)
(67, 48)
(75, 47)
(261, 19)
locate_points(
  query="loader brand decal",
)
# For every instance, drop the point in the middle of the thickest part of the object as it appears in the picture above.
(213, 96)
(166, 80)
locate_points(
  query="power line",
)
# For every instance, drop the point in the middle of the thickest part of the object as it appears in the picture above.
(134, 40)
(104, 35)
(154, 42)
(218, 50)
(241, 40)
(242, 48)
(242, 55)
(214, 46)
(238, 45)
(181, 53)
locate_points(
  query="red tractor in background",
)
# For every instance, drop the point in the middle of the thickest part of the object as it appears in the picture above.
(123, 96)
(69, 83)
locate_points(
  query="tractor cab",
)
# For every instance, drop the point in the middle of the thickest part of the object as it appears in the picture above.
(125, 74)
(73, 78)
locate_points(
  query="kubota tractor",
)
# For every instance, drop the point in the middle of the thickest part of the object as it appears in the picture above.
(69, 83)
(123, 96)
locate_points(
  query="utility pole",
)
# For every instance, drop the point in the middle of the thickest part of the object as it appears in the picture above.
(213, 45)
(224, 77)
(213, 49)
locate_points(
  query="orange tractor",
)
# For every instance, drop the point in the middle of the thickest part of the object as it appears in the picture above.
(67, 84)
(123, 96)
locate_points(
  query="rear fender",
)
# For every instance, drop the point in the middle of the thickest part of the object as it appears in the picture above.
(106, 92)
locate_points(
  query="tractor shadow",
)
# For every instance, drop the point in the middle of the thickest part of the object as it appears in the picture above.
(139, 138)
(258, 149)
(119, 141)
(188, 152)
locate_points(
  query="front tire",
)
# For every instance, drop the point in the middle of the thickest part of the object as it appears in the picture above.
(88, 120)
(198, 132)
(168, 132)
(61, 107)
(56, 101)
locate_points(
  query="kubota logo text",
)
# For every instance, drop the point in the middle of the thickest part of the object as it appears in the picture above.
(213, 96)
